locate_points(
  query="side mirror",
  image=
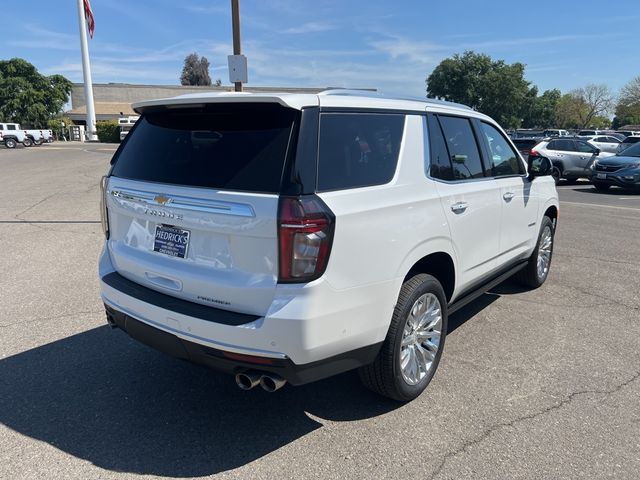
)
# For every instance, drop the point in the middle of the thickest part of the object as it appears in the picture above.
(539, 166)
(597, 152)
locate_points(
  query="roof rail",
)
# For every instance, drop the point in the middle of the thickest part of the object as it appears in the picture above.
(374, 93)
(352, 92)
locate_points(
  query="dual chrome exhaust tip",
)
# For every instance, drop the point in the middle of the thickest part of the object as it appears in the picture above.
(268, 381)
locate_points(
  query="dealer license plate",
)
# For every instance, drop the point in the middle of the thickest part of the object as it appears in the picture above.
(171, 241)
(602, 176)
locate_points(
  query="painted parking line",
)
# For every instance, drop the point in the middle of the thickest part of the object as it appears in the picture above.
(598, 205)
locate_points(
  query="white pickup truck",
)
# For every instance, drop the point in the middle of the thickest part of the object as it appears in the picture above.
(13, 134)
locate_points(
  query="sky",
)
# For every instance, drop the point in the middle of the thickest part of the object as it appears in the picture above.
(388, 45)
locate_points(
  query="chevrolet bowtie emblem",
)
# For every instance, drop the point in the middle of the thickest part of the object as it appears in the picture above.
(161, 199)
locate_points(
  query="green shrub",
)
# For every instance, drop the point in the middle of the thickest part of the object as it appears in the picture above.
(108, 131)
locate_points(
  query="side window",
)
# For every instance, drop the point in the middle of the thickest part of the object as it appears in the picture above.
(504, 160)
(601, 139)
(11, 127)
(440, 161)
(584, 147)
(612, 140)
(358, 149)
(463, 149)
(561, 145)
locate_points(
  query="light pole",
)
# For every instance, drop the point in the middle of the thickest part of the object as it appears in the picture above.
(237, 61)
(86, 70)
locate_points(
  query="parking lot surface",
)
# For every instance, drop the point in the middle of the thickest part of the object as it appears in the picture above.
(539, 384)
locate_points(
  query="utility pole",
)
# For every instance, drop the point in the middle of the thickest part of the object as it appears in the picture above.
(237, 61)
(86, 69)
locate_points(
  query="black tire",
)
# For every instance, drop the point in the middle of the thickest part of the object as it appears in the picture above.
(601, 187)
(555, 173)
(37, 143)
(384, 375)
(571, 181)
(27, 142)
(529, 276)
(10, 143)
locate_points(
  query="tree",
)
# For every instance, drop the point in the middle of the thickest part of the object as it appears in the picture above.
(628, 106)
(27, 96)
(492, 87)
(195, 71)
(541, 111)
(593, 101)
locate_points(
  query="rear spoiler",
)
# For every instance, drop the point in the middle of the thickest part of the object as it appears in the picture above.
(297, 101)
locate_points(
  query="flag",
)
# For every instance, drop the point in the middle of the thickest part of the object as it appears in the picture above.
(89, 16)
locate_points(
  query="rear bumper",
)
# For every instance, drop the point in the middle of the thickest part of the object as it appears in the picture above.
(232, 363)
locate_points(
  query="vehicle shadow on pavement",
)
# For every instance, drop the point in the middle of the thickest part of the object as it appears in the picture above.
(103, 397)
(122, 406)
(466, 313)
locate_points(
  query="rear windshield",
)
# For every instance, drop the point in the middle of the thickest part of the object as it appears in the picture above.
(231, 147)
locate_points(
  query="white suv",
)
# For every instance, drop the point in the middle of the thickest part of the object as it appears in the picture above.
(291, 237)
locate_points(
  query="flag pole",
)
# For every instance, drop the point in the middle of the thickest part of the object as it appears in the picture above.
(86, 70)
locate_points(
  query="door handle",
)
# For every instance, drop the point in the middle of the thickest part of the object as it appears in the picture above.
(508, 196)
(459, 207)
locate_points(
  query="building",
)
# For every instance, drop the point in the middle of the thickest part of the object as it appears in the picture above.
(113, 100)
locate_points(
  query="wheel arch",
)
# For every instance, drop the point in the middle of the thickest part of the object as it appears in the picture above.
(438, 264)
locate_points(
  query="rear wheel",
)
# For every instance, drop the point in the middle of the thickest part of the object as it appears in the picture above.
(412, 349)
(537, 269)
(601, 187)
(10, 143)
(555, 173)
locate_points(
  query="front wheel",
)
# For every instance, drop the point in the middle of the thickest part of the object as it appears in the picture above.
(27, 142)
(10, 143)
(555, 173)
(537, 269)
(412, 349)
(601, 187)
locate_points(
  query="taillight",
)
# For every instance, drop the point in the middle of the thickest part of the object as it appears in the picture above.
(104, 214)
(305, 235)
(533, 153)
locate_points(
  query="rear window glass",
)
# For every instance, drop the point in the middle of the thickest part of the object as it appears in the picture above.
(358, 149)
(231, 147)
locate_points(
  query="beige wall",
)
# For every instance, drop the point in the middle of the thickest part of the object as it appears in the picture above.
(128, 93)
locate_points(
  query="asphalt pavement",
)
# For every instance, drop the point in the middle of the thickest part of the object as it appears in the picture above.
(540, 384)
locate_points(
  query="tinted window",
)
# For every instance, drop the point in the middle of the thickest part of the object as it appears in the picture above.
(612, 140)
(584, 147)
(233, 147)
(463, 149)
(11, 127)
(358, 149)
(632, 151)
(503, 159)
(440, 161)
(561, 145)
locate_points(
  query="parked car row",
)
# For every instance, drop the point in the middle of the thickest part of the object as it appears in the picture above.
(11, 134)
(575, 158)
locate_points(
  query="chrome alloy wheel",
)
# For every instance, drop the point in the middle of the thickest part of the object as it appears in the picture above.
(544, 252)
(421, 338)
